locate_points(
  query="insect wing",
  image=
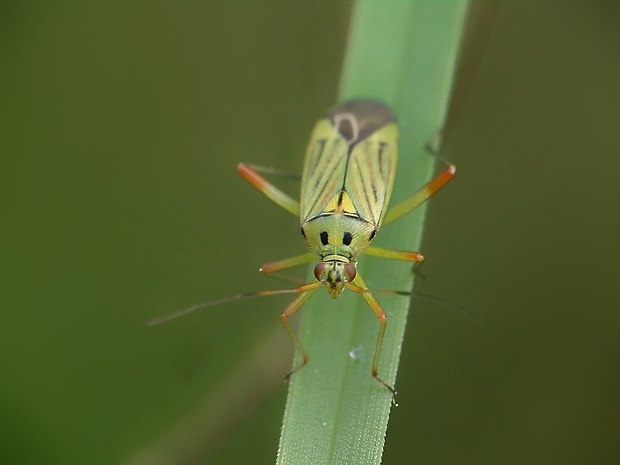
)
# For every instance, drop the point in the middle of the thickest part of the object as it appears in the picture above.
(324, 169)
(353, 149)
(370, 174)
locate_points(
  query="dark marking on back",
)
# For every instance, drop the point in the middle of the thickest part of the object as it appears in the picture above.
(370, 116)
(303, 233)
(383, 165)
(324, 238)
(347, 238)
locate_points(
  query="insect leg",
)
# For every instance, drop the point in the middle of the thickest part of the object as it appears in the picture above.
(287, 263)
(423, 194)
(361, 288)
(288, 311)
(275, 172)
(394, 254)
(271, 191)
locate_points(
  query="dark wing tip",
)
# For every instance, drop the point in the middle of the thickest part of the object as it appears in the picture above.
(358, 119)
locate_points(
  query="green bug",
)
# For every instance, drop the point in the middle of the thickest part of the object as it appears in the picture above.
(346, 185)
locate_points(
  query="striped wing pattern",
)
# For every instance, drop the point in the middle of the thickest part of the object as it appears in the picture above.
(366, 172)
(370, 175)
(324, 170)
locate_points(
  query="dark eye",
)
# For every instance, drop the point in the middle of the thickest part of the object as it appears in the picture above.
(319, 269)
(347, 238)
(350, 270)
(372, 234)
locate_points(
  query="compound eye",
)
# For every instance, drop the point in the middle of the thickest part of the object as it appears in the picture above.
(350, 271)
(319, 269)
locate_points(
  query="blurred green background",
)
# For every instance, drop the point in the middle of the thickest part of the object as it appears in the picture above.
(121, 124)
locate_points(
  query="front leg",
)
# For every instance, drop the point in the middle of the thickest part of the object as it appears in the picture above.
(271, 191)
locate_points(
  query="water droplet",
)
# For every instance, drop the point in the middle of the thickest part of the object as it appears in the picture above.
(356, 353)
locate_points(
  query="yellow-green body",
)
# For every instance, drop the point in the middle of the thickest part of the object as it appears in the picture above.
(346, 185)
(345, 192)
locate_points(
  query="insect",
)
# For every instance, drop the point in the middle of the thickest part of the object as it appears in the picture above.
(346, 186)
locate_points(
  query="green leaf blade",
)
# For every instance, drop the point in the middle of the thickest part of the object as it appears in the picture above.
(402, 53)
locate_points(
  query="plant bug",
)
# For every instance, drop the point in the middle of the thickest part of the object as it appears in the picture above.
(346, 186)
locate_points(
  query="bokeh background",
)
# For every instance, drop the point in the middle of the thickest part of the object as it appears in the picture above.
(121, 124)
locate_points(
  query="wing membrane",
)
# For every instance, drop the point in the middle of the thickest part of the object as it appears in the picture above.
(370, 174)
(324, 171)
(364, 169)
